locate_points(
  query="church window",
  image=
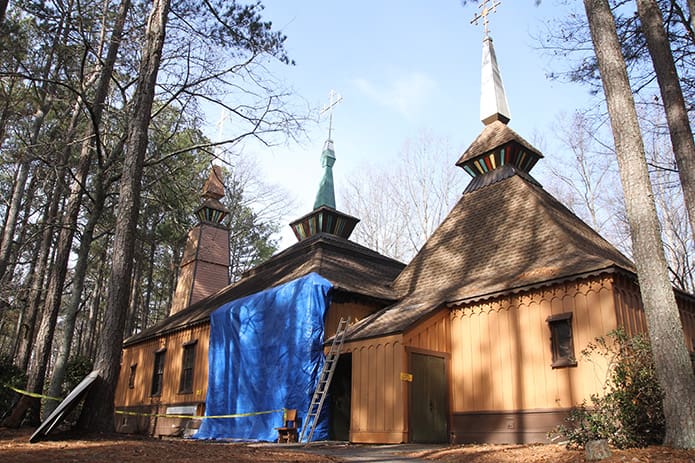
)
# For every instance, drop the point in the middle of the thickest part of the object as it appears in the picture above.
(131, 377)
(561, 342)
(187, 368)
(158, 373)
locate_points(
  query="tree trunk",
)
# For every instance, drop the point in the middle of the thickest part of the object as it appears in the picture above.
(22, 293)
(12, 215)
(74, 204)
(42, 351)
(38, 355)
(3, 10)
(37, 288)
(176, 256)
(11, 291)
(150, 281)
(98, 409)
(70, 313)
(47, 94)
(29, 197)
(94, 308)
(673, 366)
(135, 293)
(674, 103)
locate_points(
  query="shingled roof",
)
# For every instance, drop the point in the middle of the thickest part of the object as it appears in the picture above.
(494, 136)
(349, 266)
(506, 236)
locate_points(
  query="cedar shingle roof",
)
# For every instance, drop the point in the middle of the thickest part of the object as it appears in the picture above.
(492, 137)
(349, 266)
(505, 236)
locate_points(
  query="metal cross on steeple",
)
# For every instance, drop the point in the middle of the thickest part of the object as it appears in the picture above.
(333, 99)
(484, 13)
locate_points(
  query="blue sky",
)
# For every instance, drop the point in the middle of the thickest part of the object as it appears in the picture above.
(404, 67)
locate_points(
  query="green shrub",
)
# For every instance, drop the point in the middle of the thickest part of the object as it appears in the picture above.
(10, 376)
(630, 411)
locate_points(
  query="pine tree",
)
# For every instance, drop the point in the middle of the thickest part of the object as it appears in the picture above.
(671, 358)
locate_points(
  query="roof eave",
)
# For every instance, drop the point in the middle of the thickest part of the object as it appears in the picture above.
(613, 268)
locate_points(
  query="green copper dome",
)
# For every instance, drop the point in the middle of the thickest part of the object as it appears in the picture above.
(326, 194)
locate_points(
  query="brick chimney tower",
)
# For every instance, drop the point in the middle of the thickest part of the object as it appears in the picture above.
(205, 261)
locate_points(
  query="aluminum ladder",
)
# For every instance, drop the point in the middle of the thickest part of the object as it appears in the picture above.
(312, 415)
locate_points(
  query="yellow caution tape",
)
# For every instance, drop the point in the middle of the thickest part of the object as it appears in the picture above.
(158, 415)
(33, 394)
(199, 417)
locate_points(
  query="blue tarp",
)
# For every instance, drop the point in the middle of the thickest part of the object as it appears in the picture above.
(265, 354)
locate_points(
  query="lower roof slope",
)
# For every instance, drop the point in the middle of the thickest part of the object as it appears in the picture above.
(350, 267)
(499, 238)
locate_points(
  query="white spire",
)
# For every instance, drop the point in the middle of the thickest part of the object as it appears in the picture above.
(493, 99)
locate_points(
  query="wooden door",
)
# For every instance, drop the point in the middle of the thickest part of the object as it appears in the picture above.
(428, 399)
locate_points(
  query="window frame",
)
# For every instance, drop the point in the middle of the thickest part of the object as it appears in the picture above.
(188, 356)
(555, 324)
(157, 386)
(131, 376)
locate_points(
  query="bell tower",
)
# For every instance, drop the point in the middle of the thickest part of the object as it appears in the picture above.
(205, 262)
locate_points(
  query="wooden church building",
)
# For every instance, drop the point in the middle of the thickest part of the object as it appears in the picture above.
(477, 339)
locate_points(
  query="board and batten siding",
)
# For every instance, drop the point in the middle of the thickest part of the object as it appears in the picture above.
(630, 312)
(686, 304)
(503, 386)
(378, 393)
(379, 401)
(628, 305)
(138, 399)
(432, 334)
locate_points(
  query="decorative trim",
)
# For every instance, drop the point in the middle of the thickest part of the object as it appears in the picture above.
(511, 153)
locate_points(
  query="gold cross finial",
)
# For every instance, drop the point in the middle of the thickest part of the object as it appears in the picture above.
(485, 11)
(333, 99)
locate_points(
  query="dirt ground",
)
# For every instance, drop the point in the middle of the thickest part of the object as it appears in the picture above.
(541, 453)
(15, 448)
(119, 448)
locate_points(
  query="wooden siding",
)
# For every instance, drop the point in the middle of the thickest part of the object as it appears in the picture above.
(630, 312)
(379, 395)
(501, 353)
(628, 305)
(686, 304)
(142, 355)
(356, 312)
(432, 334)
